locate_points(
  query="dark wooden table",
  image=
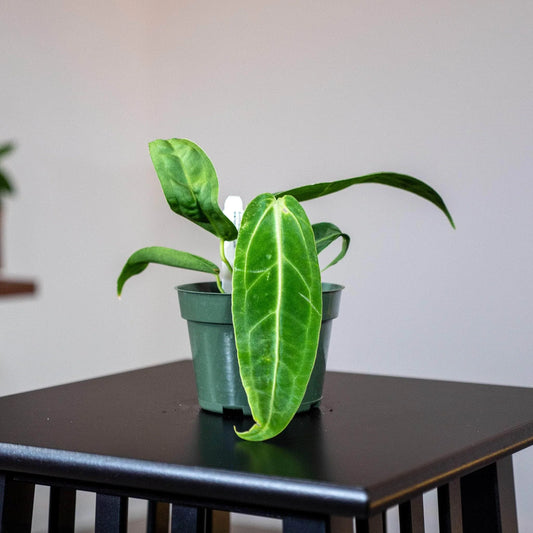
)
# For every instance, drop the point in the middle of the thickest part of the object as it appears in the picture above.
(375, 442)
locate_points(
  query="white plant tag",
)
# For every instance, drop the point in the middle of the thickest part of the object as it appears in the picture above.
(233, 209)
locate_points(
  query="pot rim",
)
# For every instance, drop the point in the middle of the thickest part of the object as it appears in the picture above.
(210, 287)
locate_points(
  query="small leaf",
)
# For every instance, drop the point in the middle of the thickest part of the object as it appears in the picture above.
(190, 184)
(325, 234)
(6, 148)
(277, 310)
(5, 185)
(400, 181)
(140, 259)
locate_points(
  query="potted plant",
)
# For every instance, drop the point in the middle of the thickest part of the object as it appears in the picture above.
(5, 187)
(277, 299)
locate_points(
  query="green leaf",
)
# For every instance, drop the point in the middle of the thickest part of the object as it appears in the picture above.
(401, 181)
(6, 148)
(5, 185)
(325, 234)
(140, 259)
(277, 310)
(190, 184)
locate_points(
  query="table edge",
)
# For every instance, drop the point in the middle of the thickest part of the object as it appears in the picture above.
(212, 484)
(426, 480)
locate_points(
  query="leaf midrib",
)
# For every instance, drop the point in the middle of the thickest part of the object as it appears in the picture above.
(279, 258)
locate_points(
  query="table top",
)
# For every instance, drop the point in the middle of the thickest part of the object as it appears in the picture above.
(374, 441)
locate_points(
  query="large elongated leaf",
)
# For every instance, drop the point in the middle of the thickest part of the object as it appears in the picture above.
(140, 259)
(327, 233)
(190, 184)
(277, 309)
(401, 181)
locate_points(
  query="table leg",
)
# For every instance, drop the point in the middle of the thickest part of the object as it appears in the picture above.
(16, 505)
(111, 514)
(62, 510)
(488, 499)
(412, 515)
(450, 517)
(374, 524)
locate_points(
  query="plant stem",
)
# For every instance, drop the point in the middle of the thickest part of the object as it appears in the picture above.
(219, 284)
(223, 256)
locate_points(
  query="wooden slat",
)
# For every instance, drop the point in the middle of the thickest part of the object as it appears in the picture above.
(219, 522)
(450, 514)
(375, 524)
(341, 524)
(488, 500)
(111, 514)
(506, 495)
(305, 525)
(158, 518)
(188, 519)
(412, 515)
(62, 510)
(16, 505)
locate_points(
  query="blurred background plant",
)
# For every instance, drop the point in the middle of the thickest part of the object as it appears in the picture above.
(6, 186)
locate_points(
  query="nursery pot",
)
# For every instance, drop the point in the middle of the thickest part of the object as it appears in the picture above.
(216, 369)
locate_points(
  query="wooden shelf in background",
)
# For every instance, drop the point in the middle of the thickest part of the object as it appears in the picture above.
(12, 287)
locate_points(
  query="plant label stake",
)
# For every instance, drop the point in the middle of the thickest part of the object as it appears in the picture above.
(233, 209)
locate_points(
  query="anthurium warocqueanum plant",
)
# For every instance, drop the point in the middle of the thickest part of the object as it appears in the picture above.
(276, 296)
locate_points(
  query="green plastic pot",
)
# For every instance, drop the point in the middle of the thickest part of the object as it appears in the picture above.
(216, 369)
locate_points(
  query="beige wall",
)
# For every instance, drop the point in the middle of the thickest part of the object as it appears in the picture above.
(279, 94)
